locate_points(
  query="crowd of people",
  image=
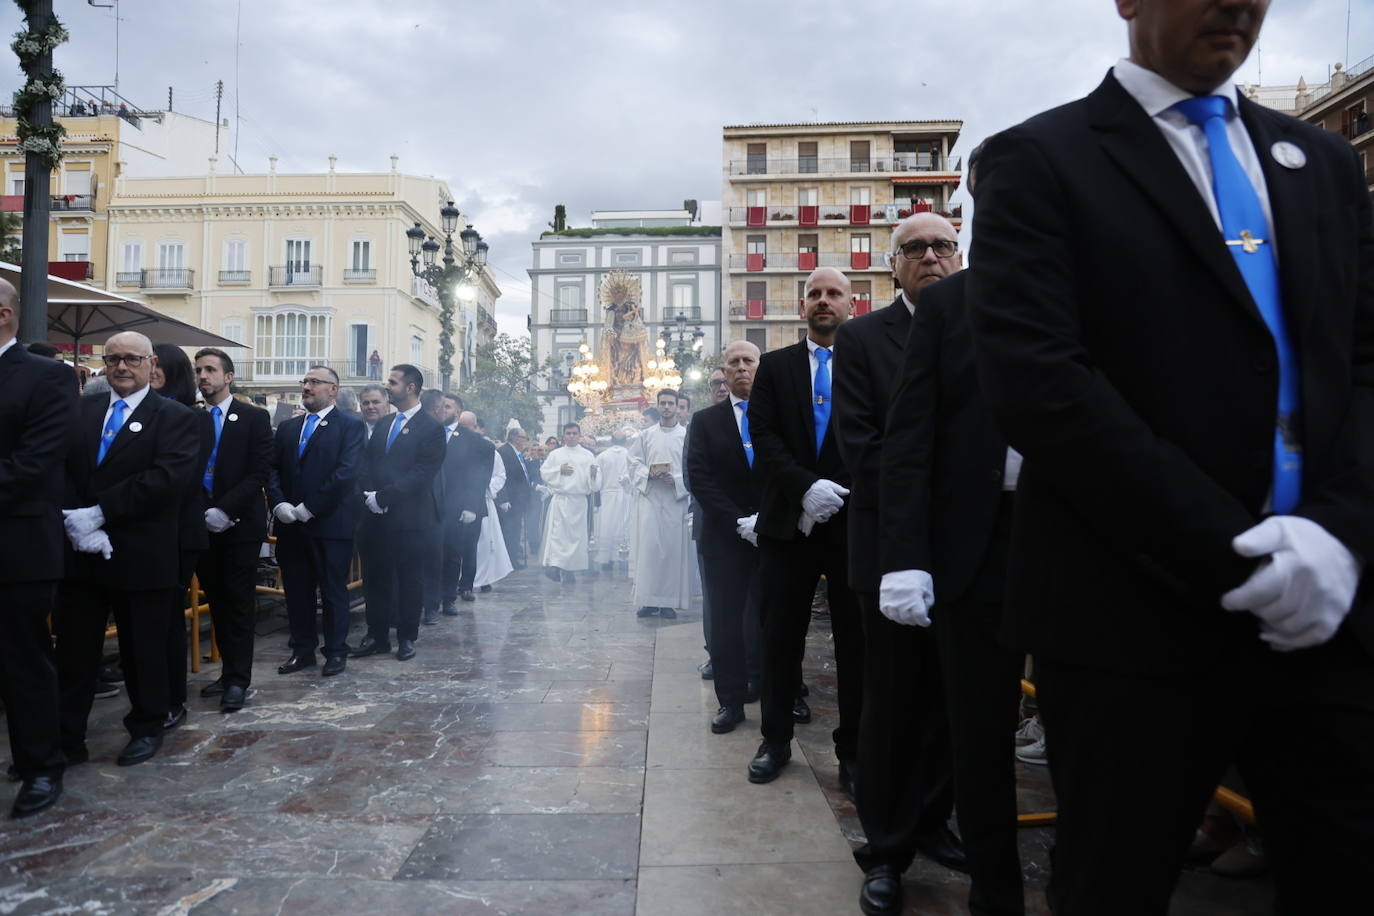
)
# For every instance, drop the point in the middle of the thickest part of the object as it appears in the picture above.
(1133, 442)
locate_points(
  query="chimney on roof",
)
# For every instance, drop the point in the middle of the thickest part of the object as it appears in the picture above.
(272, 164)
(333, 161)
(394, 159)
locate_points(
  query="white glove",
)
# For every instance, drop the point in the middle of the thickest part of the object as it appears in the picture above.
(81, 522)
(217, 520)
(805, 524)
(906, 597)
(370, 500)
(1306, 588)
(824, 499)
(467, 517)
(96, 541)
(542, 490)
(284, 513)
(301, 514)
(744, 527)
(504, 507)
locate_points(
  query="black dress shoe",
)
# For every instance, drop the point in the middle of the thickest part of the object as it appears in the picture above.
(370, 646)
(768, 762)
(450, 609)
(882, 891)
(212, 689)
(296, 663)
(12, 773)
(751, 693)
(646, 611)
(551, 572)
(484, 589)
(726, 718)
(667, 613)
(174, 718)
(708, 672)
(467, 595)
(37, 794)
(405, 650)
(944, 847)
(234, 698)
(139, 750)
(805, 690)
(847, 777)
(801, 713)
(430, 617)
(333, 665)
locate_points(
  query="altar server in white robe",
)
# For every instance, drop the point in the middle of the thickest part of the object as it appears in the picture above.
(617, 500)
(570, 474)
(663, 544)
(493, 560)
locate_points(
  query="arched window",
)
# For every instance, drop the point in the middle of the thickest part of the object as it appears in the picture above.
(289, 342)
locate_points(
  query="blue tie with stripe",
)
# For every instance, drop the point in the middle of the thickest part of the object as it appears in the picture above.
(821, 389)
(112, 426)
(208, 479)
(1246, 230)
(309, 431)
(396, 425)
(744, 432)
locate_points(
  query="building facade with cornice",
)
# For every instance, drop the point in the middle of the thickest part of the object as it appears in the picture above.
(303, 269)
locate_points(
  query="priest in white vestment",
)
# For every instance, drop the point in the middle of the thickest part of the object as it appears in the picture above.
(617, 499)
(571, 476)
(663, 542)
(493, 560)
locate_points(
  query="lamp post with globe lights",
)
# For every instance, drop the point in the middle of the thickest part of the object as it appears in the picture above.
(458, 277)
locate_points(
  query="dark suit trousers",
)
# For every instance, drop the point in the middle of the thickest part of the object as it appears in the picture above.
(1299, 726)
(729, 574)
(432, 553)
(788, 573)
(906, 783)
(460, 557)
(513, 530)
(310, 564)
(228, 574)
(28, 679)
(176, 635)
(379, 584)
(397, 561)
(143, 621)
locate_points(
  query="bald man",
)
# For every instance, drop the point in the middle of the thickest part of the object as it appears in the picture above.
(132, 456)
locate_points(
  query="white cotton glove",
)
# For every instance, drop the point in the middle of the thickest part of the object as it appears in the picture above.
(806, 523)
(1304, 591)
(467, 517)
(824, 499)
(504, 507)
(744, 527)
(96, 541)
(80, 522)
(300, 513)
(284, 513)
(217, 520)
(542, 490)
(906, 597)
(370, 500)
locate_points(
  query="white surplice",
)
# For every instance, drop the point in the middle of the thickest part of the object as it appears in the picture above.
(617, 499)
(493, 560)
(663, 540)
(565, 524)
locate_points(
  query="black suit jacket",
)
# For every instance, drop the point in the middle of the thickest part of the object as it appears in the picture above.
(516, 489)
(783, 427)
(191, 530)
(37, 410)
(943, 456)
(324, 476)
(864, 376)
(468, 461)
(241, 466)
(403, 477)
(719, 476)
(138, 486)
(1124, 357)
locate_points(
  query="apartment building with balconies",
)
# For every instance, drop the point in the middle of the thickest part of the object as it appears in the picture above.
(802, 196)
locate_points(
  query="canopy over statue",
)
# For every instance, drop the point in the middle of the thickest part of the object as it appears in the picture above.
(625, 337)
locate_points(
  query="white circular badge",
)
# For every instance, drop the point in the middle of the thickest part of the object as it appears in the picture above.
(1288, 155)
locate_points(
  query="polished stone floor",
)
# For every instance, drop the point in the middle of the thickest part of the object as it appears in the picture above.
(546, 752)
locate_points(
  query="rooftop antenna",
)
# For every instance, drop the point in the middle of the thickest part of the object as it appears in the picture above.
(114, 4)
(1347, 33)
(238, 126)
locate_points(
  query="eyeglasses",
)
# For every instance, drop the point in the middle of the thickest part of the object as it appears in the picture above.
(133, 362)
(719, 383)
(916, 249)
(312, 382)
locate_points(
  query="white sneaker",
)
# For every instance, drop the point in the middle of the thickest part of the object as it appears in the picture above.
(1030, 732)
(1033, 752)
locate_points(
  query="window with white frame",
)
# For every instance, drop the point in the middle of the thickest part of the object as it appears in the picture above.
(77, 182)
(171, 266)
(360, 261)
(235, 269)
(859, 196)
(130, 264)
(757, 198)
(417, 348)
(570, 296)
(75, 246)
(808, 197)
(683, 297)
(288, 342)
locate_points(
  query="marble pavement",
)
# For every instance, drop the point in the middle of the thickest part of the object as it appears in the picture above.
(545, 752)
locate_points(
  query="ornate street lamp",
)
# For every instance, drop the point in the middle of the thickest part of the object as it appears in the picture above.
(459, 276)
(662, 370)
(586, 386)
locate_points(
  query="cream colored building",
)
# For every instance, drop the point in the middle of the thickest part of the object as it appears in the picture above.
(802, 196)
(304, 269)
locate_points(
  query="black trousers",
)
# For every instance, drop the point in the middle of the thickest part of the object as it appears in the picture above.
(513, 530)
(379, 584)
(1299, 727)
(431, 554)
(729, 575)
(395, 558)
(228, 574)
(460, 557)
(176, 636)
(143, 618)
(906, 780)
(28, 679)
(310, 565)
(788, 573)
(705, 600)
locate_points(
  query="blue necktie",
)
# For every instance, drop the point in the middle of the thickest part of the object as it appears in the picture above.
(208, 481)
(112, 426)
(821, 388)
(744, 432)
(1245, 230)
(310, 422)
(395, 430)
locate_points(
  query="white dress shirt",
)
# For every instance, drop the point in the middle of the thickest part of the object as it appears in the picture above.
(812, 347)
(739, 414)
(12, 341)
(906, 300)
(130, 405)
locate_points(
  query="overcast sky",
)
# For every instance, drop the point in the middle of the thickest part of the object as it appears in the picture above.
(524, 104)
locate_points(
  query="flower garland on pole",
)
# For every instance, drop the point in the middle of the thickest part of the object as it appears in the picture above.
(32, 47)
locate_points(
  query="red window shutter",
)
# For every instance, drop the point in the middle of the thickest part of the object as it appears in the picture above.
(809, 216)
(858, 260)
(806, 260)
(920, 206)
(755, 216)
(858, 214)
(753, 309)
(863, 305)
(754, 262)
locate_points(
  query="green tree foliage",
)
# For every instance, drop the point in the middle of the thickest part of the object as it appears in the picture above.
(503, 386)
(11, 236)
(560, 218)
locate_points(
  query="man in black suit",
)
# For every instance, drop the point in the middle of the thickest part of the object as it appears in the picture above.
(719, 469)
(236, 517)
(37, 408)
(131, 457)
(907, 792)
(514, 497)
(467, 472)
(802, 524)
(401, 514)
(1195, 404)
(445, 411)
(312, 488)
